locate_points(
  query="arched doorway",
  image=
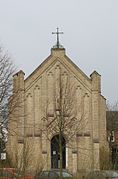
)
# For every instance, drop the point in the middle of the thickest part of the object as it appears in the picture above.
(55, 154)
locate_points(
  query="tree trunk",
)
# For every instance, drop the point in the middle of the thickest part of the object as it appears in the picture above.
(60, 151)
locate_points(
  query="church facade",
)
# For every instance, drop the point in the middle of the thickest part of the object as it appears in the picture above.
(57, 90)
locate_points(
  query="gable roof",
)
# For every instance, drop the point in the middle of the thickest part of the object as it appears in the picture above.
(57, 54)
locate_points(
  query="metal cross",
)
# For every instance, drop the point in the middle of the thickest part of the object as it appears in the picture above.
(57, 33)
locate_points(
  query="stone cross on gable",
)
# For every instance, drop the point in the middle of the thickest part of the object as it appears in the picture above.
(57, 33)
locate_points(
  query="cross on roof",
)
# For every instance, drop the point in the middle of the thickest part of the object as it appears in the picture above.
(57, 33)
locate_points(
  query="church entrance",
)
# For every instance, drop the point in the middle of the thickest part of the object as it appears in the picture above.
(55, 154)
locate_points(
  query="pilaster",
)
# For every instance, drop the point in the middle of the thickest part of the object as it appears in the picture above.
(96, 90)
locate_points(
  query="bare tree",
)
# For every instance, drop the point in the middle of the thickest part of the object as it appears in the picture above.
(24, 161)
(10, 100)
(6, 71)
(112, 130)
(105, 163)
(65, 121)
(112, 115)
(23, 158)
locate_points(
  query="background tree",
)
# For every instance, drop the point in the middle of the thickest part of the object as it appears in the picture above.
(112, 129)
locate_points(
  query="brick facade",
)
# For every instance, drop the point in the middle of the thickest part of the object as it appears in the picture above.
(40, 89)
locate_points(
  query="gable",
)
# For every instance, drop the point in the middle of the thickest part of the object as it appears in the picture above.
(58, 59)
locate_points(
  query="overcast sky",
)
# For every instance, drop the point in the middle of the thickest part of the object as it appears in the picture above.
(90, 35)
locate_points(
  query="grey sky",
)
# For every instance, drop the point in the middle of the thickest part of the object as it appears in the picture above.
(90, 35)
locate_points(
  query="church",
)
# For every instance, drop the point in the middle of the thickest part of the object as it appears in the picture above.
(57, 98)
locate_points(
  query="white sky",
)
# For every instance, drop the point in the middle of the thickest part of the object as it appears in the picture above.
(90, 35)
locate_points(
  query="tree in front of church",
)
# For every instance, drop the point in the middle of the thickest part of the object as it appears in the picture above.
(65, 121)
